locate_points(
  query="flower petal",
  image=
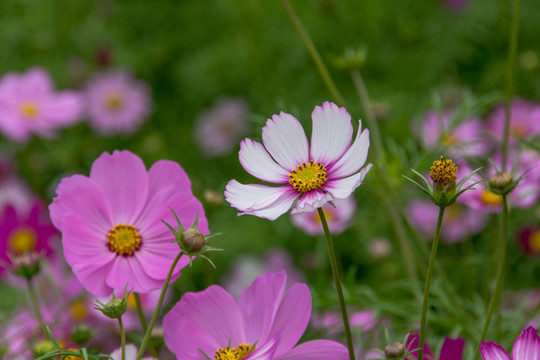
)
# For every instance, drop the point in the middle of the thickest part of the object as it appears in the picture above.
(452, 349)
(342, 188)
(317, 350)
(354, 158)
(412, 344)
(92, 276)
(82, 244)
(491, 351)
(256, 160)
(285, 139)
(527, 345)
(311, 200)
(266, 351)
(186, 339)
(127, 270)
(332, 133)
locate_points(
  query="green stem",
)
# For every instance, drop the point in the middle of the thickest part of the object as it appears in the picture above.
(321, 67)
(512, 50)
(432, 257)
(337, 282)
(500, 269)
(144, 325)
(122, 337)
(35, 305)
(158, 308)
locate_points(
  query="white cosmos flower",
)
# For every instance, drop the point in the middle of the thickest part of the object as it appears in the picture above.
(310, 176)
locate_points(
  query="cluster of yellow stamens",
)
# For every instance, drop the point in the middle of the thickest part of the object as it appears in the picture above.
(443, 171)
(308, 176)
(490, 198)
(238, 353)
(114, 101)
(22, 240)
(124, 239)
(28, 110)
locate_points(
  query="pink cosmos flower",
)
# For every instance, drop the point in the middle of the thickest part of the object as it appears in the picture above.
(529, 239)
(264, 323)
(363, 321)
(338, 217)
(117, 103)
(309, 176)
(452, 349)
(526, 347)
(217, 130)
(111, 222)
(29, 105)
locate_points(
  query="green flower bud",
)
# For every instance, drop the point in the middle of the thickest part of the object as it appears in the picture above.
(43, 347)
(500, 180)
(194, 239)
(394, 350)
(81, 334)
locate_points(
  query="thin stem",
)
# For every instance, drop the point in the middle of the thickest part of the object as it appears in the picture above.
(122, 337)
(158, 308)
(432, 257)
(337, 282)
(512, 50)
(35, 305)
(500, 269)
(144, 325)
(323, 70)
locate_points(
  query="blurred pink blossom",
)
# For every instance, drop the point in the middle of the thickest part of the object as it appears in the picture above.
(338, 217)
(452, 349)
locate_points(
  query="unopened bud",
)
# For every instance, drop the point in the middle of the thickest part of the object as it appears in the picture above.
(194, 239)
(27, 264)
(501, 180)
(114, 308)
(81, 335)
(394, 350)
(43, 347)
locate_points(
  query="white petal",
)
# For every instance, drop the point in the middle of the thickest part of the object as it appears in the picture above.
(332, 133)
(285, 139)
(311, 200)
(256, 160)
(354, 158)
(342, 188)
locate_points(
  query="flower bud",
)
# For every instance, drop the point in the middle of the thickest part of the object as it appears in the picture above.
(114, 308)
(394, 350)
(43, 347)
(194, 239)
(443, 174)
(501, 180)
(81, 334)
(27, 264)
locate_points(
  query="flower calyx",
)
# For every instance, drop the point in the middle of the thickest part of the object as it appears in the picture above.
(27, 264)
(394, 351)
(115, 308)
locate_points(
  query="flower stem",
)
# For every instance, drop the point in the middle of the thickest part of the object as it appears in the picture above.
(429, 273)
(158, 308)
(323, 70)
(144, 325)
(500, 269)
(122, 337)
(35, 305)
(335, 273)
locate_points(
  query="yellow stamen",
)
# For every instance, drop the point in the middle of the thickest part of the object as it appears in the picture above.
(78, 310)
(29, 110)
(443, 171)
(534, 243)
(124, 240)
(114, 101)
(22, 240)
(238, 353)
(308, 176)
(490, 198)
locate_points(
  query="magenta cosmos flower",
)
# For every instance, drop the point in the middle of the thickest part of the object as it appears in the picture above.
(310, 176)
(452, 349)
(29, 105)
(111, 222)
(117, 103)
(526, 347)
(265, 323)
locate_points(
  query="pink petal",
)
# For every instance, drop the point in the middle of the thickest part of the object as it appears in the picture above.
(332, 133)
(491, 351)
(63, 108)
(292, 317)
(342, 188)
(37, 81)
(452, 349)
(256, 160)
(124, 180)
(83, 244)
(527, 345)
(317, 350)
(285, 139)
(266, 351)
(127, 270)
(157, 259)
(354, 158)
(259, 303)
(166, 178)
(186, 339)
(92, 276)
(311, 200)
(412, 343)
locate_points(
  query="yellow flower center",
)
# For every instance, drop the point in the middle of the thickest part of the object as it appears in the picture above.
(450, 139)
(124, 239)
(114, 101)
(490, 198)
(535, 242)
(78, 310)
(238, 353)
(443, 171)
(308, 176)
(22, 240)
(327, 214)
(28, 110)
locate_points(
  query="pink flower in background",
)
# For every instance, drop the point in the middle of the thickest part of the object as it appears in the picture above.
(309, 176)
(362, 321)
(29, 106)
(338, 217)
(111, 222)
(529, 240)
(526, 347)
(117, 103)
(459, 221)
(217, 130)
(265, 322)
(452, 349)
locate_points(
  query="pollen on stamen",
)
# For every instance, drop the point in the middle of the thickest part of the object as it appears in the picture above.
(124, 240)
(443, 171)
(308, 176)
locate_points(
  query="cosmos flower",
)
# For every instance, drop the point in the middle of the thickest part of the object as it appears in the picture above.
(217, 130)
(111, 226)
(310, 176)
(526, 347)
(452, 349)
(338, 217)
(29, 105)
(264, 323)
(117, 103)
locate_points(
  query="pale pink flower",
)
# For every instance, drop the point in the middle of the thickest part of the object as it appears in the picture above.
(526, 347)
(338, 217)
(29, 106)
(117, 103)
(111, 222)
(218, 129)
(362, 321)
(310, 176)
